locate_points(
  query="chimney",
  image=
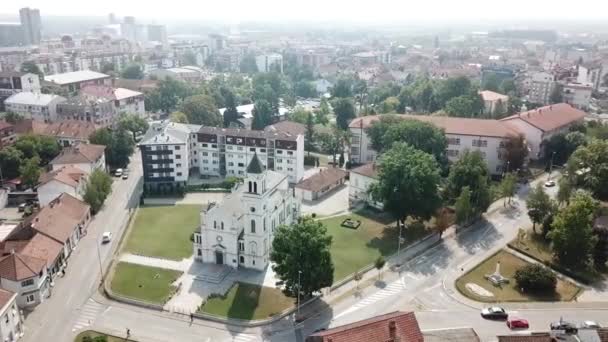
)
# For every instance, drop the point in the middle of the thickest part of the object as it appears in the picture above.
(392, 329)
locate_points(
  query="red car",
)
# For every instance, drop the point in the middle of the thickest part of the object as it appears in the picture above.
(517, 323)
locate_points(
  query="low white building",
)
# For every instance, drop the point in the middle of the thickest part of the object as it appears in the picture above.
(495, 104)
(539, 125)
(75, 80)
(37, 106)
(321, 183)
(13, 82)
(11, 321)
(26, 276)
(238, 232)
(361, 178)
(67, 179)
(86, 157)
(487, 136)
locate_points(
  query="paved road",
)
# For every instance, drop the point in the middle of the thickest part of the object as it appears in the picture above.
(54, 319)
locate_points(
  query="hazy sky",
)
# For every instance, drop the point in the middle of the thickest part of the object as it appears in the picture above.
(311, 10)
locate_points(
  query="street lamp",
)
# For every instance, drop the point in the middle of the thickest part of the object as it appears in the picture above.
(100, 266)
(299, 286)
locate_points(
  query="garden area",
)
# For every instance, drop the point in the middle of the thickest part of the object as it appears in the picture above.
(93, 336)
(248, 302)
(163, 231)
(475, 285)
(148, 284)
(376, 235)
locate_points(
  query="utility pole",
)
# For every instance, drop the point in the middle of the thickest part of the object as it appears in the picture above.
(299, 286)
(100, 266)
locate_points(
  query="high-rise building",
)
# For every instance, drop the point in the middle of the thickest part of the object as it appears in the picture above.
(30, 24)
(10, 34)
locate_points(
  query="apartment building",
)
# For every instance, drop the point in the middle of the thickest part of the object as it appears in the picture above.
(540, 85)
(125, 101)
(13, 82)
(487, 136)
(36, 106)
(590, 73)
(269, 62)
(75, 80)
(577, 94)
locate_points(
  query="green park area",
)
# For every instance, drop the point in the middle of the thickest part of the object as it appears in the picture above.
(353, 249)
(249, 302)
(148, 284)
(93, 336)
(475, 285)
(163, 231)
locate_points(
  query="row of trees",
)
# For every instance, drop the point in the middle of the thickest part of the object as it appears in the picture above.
(26, 157)
(97, 189)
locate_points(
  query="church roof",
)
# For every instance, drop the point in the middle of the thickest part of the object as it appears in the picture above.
(255, 166)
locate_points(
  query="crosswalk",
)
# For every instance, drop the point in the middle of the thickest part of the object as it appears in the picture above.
(245, 338)
(88, 314)
(390, 290)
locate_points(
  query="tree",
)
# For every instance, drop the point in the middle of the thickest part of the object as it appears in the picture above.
(379, 264)
(31, 67)
(442, 221)
(201, 110)
(231, 114)
(305, 89)
(44, 147)
(556, 95)
(539, 205)
(515, 152)
(332, 143)
(133, 72)
(321, 116)
(536, 278)
(451, 88)
(461, 106)
(302, 247)
(11, 160)
(299, 114)
(407, 182)
(29, 172)
(463, 207)
(310, 132)
(178, 117)
(389, 105)
(108, 68)
(262, 115)
(564, 191)
(471, 171)
(508, 186)
(188, 58)
(514, 105)
(561, 146)
(167, 96)
(133, 123)
(119, 145)
(344, 109)
(499, 109)
(342, 88)
(507, 86)
(593, 158)
(490, 82)
(572, 233)
(97, 189)
(248, 64)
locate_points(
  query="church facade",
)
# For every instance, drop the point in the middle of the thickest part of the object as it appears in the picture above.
(238, 232)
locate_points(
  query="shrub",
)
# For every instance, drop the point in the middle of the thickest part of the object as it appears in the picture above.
(536, 278)
(311, 160)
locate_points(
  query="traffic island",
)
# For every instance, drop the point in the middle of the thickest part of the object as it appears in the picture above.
(94, 336)
(477, 284)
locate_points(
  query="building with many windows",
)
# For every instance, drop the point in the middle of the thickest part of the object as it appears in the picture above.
(11, 321)
(37, 106)
(238, 232)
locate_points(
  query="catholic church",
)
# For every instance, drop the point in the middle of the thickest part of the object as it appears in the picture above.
(238, 232)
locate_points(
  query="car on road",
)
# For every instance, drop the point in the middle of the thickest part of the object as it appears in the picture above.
(22, 207)
(125, 174)
(568, 327)
(550, 183)
(118, 172)
(517, 323)
(106, 237)
(589, 325)
(494, 312)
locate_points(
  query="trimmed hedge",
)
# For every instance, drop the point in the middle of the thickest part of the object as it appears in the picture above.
(227, 184)
(536, 278)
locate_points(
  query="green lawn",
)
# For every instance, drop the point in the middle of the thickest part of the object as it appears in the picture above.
(353, 249)
(565, 291)
(164, 231)
(82, 337)
(149, 284)
(250, 302)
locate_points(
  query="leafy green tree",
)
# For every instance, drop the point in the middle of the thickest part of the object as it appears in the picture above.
(299, 114)
(342, 88)
(561, 146)
(389, 105)
(133, 123)
(332, 143)
(133, 72)
(301, 254)
(572, 233)
(594, 159)
(231, 114)
(379, 264)
(305, 89)
(11, 160)
(514, 105)
(201, 110)
(321, 116)
(470, 170)
(508, 186)
(407, 184)
(310, 132)
(31, 67)
(167, 96)
(97, 189)
(108, 68)
(12, 117)
(344, 109)
(423, 93)
(536, 278)
(515, 152)
(262, 115)
(507, 86)
(178, 117)
(29, 171)
(461, 106)
(499, 109)
(451, 88)
(564, 191)
(265, 92)
(44, 147)
(248, 64)
(119, 145)
(490, 82)
(539, 205)
(463, 207)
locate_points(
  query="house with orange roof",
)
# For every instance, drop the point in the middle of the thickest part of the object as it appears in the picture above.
(26, 276)
(68, 179)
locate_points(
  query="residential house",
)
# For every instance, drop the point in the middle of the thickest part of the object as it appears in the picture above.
(487, 136)
(539, 125)
(37, 106)
(7, 134)
(11, 321)
(238, 232)
(13, 82)
(96, 109)
(75, 80)
(360, 180)
(392, 327)
(125, 101)
(25, 276)
(86, 157)
(495, 104)
(68, 132)
(321, 183)
(287, 127)
(66, 179)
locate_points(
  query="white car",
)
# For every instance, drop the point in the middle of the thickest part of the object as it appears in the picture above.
(549, 183)
(106, 237)
(118, 172)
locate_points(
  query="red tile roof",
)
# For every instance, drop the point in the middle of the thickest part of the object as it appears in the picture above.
(69, 175)
(368, 170)
(17, 267)
(322, 179)
(5, 125)
(6, 297)
(451, 125)
(549, 118)
(60, 217)
(533, 337)
(79, 153)
(69, 129)
(393, 327)
(289, 127)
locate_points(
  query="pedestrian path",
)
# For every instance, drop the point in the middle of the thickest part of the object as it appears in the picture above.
(182, 266)
(388, 291)
(88, 314)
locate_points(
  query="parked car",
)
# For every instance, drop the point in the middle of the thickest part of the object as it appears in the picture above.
(494, 312)
(118, 172)
(518, 323)
(22, 207)
(106, 237)
(549, 183)
(589, 325)
(125, 174)
(568, 327)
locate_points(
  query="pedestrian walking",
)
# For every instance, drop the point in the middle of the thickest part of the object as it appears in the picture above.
(191, 318)
(128, 332)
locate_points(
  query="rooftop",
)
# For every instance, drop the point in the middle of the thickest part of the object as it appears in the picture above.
(33, 99)
(489, 95)
(549, 118)
(6, 297)
(248, 133)
(79, 153)
(17, 266)
(69, 129)
(60, 217)
(69, 175)
(368, 170)
(289, 127)
(75, 77)
(322, 179)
